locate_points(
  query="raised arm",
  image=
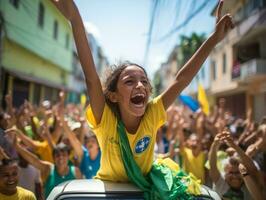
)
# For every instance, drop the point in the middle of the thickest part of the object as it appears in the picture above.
(190, 69)
(75, 143)
(46, 135)
(43, 166)
(9, 105)
(245, 159)
(25, 139)
(94, 87)
(82, 130)
(252, 185)
(214, 172)
(3, 154)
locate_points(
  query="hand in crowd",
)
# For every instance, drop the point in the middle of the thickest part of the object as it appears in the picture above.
(3, 154)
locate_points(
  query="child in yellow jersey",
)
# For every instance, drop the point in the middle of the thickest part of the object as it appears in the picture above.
(126, 98)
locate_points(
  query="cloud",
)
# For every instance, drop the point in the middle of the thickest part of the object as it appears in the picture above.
(155, 63)
(93, 29)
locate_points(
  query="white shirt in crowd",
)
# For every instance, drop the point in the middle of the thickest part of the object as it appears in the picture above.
(28, 177)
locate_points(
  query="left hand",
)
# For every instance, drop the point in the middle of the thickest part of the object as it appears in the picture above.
(227, 138)
(223, 23)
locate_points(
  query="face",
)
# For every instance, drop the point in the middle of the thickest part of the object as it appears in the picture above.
(194, 141)
(9, 179)
(233, 176)
(92, 144)
(5, 122)
(61, 158)
(133, 91)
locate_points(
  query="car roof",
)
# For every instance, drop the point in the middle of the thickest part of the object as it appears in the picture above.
(95, 186)
(98, 186)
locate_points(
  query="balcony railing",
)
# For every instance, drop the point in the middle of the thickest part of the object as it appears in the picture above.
(249, 70)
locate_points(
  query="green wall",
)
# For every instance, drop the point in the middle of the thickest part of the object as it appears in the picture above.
(21, 27)
(18, 59)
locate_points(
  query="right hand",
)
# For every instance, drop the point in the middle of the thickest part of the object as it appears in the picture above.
(8, 99)
(223, 23)
(3, 154)
(66, 7)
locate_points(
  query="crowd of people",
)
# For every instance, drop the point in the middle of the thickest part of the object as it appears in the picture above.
(44, 146)
(50, 146)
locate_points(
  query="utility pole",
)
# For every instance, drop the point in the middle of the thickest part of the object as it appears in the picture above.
(1, 55)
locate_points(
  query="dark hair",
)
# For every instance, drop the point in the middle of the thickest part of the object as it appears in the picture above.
(6, 162)
(111, 83)
(2, 114)
(234, 161)
(61, 147)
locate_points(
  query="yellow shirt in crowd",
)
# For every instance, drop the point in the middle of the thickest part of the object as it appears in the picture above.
(22, 194)
(141, 143)
(194, 164)
(44, 151)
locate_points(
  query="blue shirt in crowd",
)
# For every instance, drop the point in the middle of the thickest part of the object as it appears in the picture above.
(89, 167)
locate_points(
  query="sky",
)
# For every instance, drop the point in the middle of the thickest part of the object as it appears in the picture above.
(122, 26)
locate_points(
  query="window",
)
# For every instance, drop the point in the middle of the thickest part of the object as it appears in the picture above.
(20, 92)
(67, 41)
(213, 70)
(41, 15)
(36, 94)
(15, 3)
(48, 93)
(55, 29)
(224, 63)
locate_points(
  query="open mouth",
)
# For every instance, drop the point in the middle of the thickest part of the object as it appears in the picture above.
(138, 99)
(11, 183)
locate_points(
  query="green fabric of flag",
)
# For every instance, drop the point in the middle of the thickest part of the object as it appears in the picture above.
(160, 183)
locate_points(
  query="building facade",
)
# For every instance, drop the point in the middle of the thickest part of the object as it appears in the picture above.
(38, 57)
(238, 63)
(36, 50)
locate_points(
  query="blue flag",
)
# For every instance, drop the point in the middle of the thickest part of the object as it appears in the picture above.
(190, 102)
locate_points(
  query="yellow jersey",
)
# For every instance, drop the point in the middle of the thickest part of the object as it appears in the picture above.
(194, 164)
(21, 194)
(141, 143)
(44, 151)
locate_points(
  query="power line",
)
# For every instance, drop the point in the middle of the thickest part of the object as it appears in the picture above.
(178, 6)
(197, 11)
(150, 32)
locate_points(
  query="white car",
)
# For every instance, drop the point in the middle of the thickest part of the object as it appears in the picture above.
(84, 189)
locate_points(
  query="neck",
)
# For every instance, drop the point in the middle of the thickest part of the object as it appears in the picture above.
(93, 154)
(131, 123)
(196, 151)
(62, 170)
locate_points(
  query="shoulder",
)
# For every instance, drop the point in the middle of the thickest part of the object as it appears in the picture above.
(156, 101)
(155, 111)
(106, 116)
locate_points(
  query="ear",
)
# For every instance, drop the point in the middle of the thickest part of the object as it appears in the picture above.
(112, 97)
